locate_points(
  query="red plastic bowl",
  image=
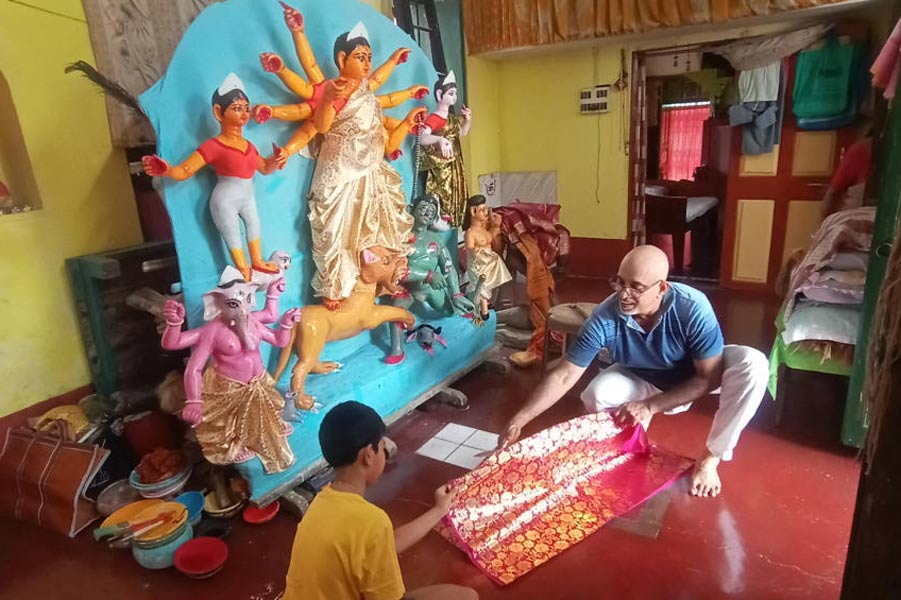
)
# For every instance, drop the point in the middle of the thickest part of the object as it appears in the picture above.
(263, 514)
(201, 556)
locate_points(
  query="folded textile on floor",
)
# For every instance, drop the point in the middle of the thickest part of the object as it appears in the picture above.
(540, 496)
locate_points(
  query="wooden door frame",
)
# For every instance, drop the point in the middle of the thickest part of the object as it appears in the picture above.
(638, 143)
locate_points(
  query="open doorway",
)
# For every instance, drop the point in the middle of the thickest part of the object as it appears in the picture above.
(687, 95)
(745, 197)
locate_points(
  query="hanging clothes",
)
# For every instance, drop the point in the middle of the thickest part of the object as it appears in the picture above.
(762, 120)
(761, 84)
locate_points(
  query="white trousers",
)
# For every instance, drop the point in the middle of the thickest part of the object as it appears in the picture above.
(744, 383)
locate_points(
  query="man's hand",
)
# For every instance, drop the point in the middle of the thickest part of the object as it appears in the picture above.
(633, 413)
(510, 435)
(444, 497)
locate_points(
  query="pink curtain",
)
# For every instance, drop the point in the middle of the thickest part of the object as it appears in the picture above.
(681, 141)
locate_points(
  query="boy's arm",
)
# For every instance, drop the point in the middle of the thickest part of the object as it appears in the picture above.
(407, 535)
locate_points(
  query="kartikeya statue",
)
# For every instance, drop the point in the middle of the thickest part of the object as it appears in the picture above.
(483, 230)
(233, 405)
(235, 161)
(432, 281)
(442, 157)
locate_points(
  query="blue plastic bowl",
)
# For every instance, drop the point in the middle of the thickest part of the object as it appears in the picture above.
(164, 556)
(194, 503)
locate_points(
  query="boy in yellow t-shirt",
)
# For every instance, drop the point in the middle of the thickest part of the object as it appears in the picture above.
(346, 548)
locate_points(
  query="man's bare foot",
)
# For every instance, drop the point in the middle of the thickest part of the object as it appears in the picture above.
(705, 481)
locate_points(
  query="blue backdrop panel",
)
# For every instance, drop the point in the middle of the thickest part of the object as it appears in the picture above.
(228, 37)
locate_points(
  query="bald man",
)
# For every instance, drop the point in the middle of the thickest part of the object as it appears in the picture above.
(668, 351)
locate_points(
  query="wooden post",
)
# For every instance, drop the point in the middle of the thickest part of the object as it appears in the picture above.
(873, 567)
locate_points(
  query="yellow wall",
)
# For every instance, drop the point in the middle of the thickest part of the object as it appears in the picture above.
(542, 130)
(532, 120)
(482, 147)
(88, 203)
(383, 6)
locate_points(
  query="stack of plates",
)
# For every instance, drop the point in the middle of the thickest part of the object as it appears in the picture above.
(127, 514)
(212, 508)
(156, 548)
(193, 501)
(115, 496)
(160, 489)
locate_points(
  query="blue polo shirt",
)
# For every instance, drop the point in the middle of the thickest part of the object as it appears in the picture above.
(686, 330)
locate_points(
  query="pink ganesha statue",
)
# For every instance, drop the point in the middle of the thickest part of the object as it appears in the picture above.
(233, 405)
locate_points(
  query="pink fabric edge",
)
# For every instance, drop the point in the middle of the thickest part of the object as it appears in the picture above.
(638, 440)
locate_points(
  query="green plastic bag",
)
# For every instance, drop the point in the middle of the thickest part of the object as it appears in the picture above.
(824, 78)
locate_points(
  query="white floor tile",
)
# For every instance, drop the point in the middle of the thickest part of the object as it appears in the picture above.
(465, 457)
(437, 449)
(455, 433)
(483, 440)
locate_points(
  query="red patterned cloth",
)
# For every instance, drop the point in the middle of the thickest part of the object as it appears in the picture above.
(542, 222)
(537, 498)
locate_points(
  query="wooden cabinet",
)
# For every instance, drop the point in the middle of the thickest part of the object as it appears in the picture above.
(133, 43)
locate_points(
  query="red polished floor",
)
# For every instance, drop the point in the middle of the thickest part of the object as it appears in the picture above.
(779, 530)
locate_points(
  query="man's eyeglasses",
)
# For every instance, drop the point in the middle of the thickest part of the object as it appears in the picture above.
(634, 292)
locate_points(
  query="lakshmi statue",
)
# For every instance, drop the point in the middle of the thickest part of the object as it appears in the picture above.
(482, 238)
(432, 279)
(312, 89)
(442, 158)
(235, 161)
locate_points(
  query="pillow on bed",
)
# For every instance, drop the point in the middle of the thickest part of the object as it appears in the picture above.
(815, 321)
(836, 287)
(850, 261)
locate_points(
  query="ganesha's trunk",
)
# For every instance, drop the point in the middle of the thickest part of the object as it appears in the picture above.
(243, 326)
